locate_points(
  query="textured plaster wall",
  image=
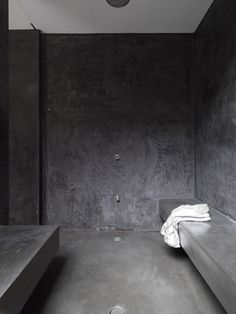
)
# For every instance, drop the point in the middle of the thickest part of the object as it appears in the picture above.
(4, 193)
(130, 95)
(215, 98)
(115, 94)
(24, 127)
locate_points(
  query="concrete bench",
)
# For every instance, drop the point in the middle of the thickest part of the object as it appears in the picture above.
(25, 253)
(212, 248)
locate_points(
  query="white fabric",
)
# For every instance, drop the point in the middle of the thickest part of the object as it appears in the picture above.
(169, 230)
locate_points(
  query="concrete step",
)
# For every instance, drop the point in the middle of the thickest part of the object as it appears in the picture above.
(25, 253)
(212, 248)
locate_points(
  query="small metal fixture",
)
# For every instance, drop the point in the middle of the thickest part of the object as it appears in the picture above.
(118, 3)
(117, 157)
(117, 310)
(117, 239)
(117, 199)
(49, 109)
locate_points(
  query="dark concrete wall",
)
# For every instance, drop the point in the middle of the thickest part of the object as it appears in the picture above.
(4, 193)
(215, 97)
(115, 94)
(24, 127)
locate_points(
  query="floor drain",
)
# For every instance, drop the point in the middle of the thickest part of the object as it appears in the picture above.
(117, 239)
(117, 310)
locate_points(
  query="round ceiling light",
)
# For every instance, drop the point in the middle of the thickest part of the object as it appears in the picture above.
(118, 3)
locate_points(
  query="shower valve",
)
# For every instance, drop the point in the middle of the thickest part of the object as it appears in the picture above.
(117, 157)
(117, 199)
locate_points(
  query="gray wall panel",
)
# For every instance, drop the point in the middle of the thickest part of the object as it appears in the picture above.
(109, 94)
(215, 97)
(4, 112)
(24, 127)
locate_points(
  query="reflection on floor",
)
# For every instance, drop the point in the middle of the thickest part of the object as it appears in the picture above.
(93, 272)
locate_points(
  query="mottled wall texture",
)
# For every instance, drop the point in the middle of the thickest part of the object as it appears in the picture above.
(24, 127)
(115, 94)
(215, 98)
(4, 193)
(131, 95)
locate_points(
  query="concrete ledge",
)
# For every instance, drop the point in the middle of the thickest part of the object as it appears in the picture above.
(25, 253)
(212, 248)
(167, 205)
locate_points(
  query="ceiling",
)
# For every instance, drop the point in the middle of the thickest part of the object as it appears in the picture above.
(96, 16)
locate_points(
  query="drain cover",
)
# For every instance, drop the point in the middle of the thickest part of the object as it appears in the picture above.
(117, 239)
(117, 310)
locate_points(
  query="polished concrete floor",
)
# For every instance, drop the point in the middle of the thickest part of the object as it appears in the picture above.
(92, 273)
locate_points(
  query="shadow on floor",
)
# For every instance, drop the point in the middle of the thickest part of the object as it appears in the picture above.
(92, 273)
(176, 253)
(39, 297)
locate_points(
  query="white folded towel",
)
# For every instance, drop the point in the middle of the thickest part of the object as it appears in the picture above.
(198, 212)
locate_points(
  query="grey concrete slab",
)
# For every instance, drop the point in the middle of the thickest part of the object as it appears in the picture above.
(25, 252)
(92, 273)
(215, 108)
(24, 128)
(4, 112)
(212, 248)
(132, 98)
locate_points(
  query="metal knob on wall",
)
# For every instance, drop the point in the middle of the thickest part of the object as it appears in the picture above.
(117, 199)
(117, 157)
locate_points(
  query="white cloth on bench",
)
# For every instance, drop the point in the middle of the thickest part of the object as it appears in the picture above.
(198, 212)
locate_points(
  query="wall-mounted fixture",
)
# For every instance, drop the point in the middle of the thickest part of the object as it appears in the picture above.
(117, 199)
(118, 3)
(117, 157)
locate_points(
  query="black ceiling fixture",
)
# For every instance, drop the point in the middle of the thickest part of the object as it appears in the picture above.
(118, 3)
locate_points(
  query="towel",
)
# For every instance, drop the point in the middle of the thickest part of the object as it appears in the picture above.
(170, 229)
